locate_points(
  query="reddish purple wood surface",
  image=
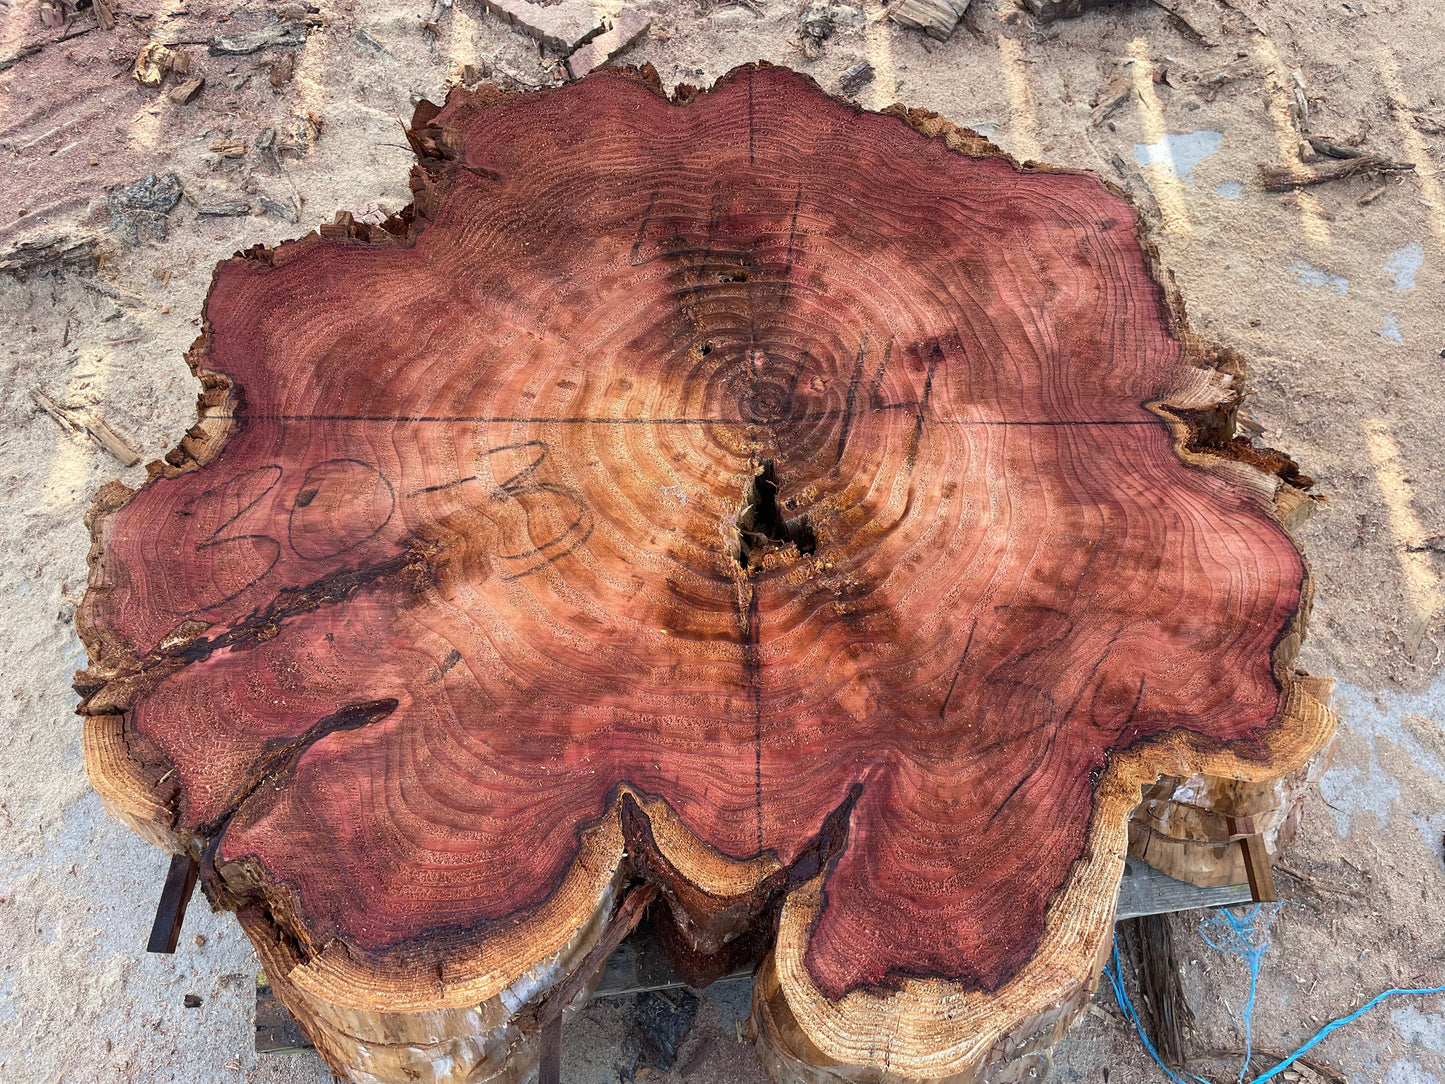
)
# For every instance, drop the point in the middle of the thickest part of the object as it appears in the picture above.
(473, 544)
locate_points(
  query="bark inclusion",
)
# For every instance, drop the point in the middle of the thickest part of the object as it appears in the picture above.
(967, 565)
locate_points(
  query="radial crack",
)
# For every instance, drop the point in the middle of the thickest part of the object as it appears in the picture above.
(261, 624)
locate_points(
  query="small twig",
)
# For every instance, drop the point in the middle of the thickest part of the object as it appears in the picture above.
(77, 33)
(1324, 1072)
(6, 63)
(1316, 883)
(1172, 9)
(1116, 93)
(51, 407)
(69, 420)
(1333, 150)
(1299, 175)
(115, 293)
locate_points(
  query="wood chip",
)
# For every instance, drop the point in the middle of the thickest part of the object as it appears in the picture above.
(1208, 84)
(182, 93)
(1114, 94)
(277, 34)
(628, 27)
(225, 208)
(282, 69)
(104, 14)
(50, 251)
(1190, 16)
(858, 75)
(563, 25)
(1333, 150)
(936, 18)
(152, 63)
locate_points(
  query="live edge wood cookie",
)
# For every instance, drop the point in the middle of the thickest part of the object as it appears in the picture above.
(810, 515)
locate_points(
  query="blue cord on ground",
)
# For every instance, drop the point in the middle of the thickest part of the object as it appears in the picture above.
(1248, 938)
(1245, 936)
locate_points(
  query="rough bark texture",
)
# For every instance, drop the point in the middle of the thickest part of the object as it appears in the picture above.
(811, 512)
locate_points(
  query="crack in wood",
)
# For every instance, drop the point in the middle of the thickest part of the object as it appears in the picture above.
(761, 526)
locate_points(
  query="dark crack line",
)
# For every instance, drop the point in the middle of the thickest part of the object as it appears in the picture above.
(814, 416)
(1059, 725)
(875, 386)
(281, 758)
(755, 689)
(290, 602)
(958, 670)
(851, 399)
(917, 435)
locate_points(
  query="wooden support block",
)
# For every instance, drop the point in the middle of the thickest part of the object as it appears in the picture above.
(1257, 866)
(276, 1029)
(1144, 890)
(640, 963)
(180, 883)
(1239, 827)
(549, 1067)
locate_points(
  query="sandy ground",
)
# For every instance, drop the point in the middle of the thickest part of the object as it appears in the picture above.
(1337, 303)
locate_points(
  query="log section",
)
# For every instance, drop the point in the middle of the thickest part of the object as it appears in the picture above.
(810, 512)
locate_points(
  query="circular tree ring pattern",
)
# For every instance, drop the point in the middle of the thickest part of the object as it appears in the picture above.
(806, 510)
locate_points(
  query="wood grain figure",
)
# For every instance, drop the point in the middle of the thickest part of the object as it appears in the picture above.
(811, 513)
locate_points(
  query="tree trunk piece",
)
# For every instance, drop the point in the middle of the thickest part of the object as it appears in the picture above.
(810, 513)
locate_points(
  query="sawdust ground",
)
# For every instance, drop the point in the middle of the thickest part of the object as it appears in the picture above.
(1346, 376)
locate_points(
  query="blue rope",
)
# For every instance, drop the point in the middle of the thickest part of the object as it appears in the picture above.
(1242, 937)
(1248, 938)
(1341, 1022)
(1116, 980)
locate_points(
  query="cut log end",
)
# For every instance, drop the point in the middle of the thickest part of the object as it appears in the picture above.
(810, 513)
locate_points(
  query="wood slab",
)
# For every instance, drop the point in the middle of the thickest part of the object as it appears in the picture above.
(809, 513)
